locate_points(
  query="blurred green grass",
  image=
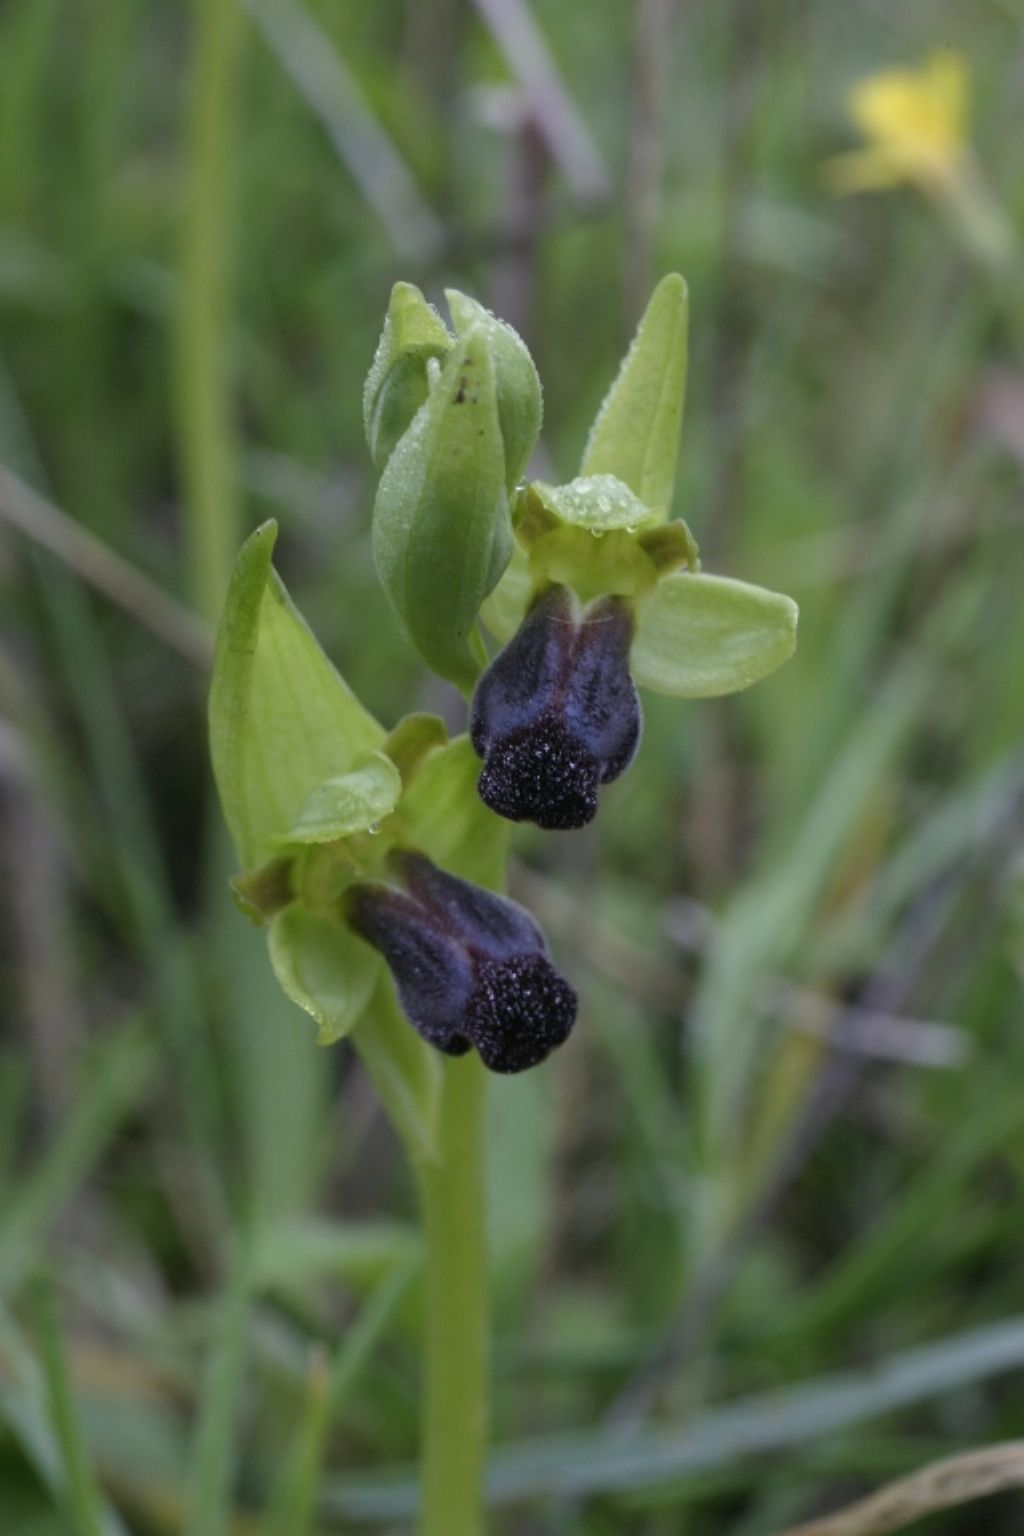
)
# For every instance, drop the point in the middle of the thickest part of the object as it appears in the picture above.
(787, 1140)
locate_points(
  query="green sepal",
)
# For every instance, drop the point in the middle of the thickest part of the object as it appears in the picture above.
(599, 503)
(441, 529)
(325, 968)
(398, 381)
(412, 740)
(282, 719)
(356, 801)
(445, 818)
(636, 432)
(517, 385)
(699, 636)
(261, 893)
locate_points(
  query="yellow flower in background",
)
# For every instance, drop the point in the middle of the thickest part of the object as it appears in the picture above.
(915, 124)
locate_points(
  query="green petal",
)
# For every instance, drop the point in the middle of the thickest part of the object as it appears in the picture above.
(446, 818)
(324, 968)
(698, 636)
(598, 503)
(281, 718)
(442, 534)
(636, 433)
(350, 803)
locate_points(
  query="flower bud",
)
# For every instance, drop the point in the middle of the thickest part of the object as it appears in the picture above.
(517, 387)
(442, 534)
(397, 383)
(556, 713)
(471, 968)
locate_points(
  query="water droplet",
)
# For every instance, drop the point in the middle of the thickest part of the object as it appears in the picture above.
(597, 533)
(373, 828)
(630, 528)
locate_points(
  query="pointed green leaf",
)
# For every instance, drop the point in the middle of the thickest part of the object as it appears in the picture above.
(598, 503)
(398, 381)
(282, 720)
(520, 404)
(446, 818)
(441, 529)
(353, 802)
(698, 636)
(323, 967)
(636, 433)
(406, 1072)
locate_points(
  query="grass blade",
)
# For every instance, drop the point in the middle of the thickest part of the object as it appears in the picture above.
(84, 1501)
(117, 1083)
(213, 1452)
(584, 1465)
(293, 1504)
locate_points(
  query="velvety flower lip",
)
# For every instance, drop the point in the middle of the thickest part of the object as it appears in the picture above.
(471, 968)
(556, 714)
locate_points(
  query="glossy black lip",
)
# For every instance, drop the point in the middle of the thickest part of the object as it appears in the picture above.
(471, 968)
(556, 714)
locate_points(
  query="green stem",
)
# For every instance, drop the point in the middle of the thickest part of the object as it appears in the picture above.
(455, 1400)
(206, 426)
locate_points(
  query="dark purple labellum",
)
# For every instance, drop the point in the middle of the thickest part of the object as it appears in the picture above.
(556, 714)
(471, 968)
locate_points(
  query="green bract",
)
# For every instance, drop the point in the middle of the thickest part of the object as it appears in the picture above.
(606, 533)
(442, 534)
(282, 720)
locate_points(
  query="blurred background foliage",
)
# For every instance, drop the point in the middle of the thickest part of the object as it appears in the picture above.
(783, 1152)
